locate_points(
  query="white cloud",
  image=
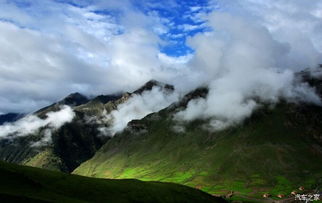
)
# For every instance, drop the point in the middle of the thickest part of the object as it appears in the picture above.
(139, 106)
(174, 60)
(244, 60)
(195, 8)
(74, 49)
(190, 27)
(32, 123)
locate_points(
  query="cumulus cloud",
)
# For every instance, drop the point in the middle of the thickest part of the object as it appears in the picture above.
(246, 62)
(88, 47)
(32, 123)
(74, 49)
(140, 105)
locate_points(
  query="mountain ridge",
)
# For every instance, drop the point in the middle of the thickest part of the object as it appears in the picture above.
(74, 142)
(274, 151)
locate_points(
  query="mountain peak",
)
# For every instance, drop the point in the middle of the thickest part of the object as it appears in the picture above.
(74, 99)
(153, 83)
(75, 94)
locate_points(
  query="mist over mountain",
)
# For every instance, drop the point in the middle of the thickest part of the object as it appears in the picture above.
(68, 132)
(134, 135)
(275, 149)
(223, 96)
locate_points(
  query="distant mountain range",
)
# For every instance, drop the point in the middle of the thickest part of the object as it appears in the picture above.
(10, 117)
(275, 151)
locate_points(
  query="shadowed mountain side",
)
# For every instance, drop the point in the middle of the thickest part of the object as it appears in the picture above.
(72, 144)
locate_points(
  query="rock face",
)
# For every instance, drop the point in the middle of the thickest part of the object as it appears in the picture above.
(136, 125)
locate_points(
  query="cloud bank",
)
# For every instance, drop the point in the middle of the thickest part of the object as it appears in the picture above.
(247, 61)
(31, 124)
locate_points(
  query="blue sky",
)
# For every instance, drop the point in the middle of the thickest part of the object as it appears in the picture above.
(184, 22)
(183, 19)
(180, 19)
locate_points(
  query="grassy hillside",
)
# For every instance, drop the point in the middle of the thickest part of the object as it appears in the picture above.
(275, 151)
(27, 184)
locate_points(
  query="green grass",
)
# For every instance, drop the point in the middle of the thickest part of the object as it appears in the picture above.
(28, 184)
(271, 152)
(45, 159)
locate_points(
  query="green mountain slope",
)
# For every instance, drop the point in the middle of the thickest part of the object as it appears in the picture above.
(27, 184)
(276, 151)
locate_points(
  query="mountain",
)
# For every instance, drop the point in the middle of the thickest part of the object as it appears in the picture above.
(74, 99)
(27, 184)
(74, 142)
(153, 83)
(10, 117)
(71, 144)
(275, 151)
